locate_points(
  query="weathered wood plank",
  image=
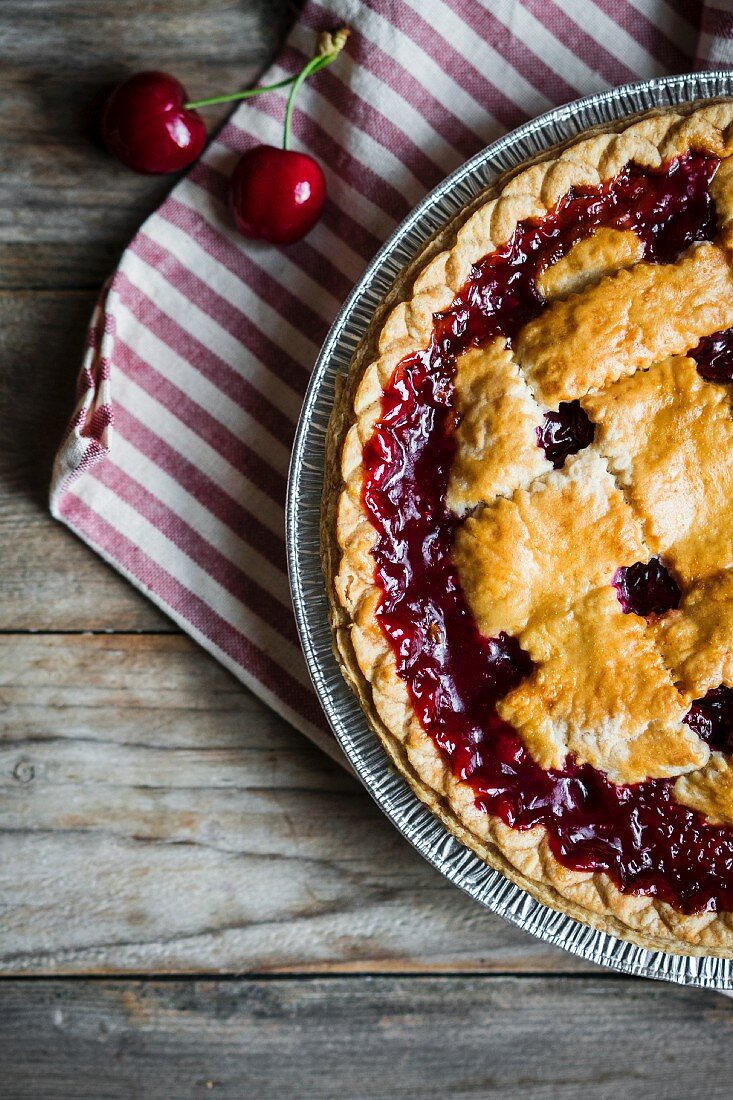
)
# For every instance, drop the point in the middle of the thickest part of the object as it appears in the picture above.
(66, 208)
(155, 816)
(48, 579)
(378, 1039)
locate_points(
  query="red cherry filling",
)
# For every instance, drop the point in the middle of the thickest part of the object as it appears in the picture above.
(565, 432)
(668, 210)
(646, 588)
(712, 718)
(714, 356)
(455, 674)
(639, 835)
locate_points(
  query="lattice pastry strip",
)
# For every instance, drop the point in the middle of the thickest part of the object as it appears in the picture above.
(602, 253)
(539, 567)
(496, 440)
(544, 549)
(626, 322)
(586, 696)
(709, 790)
(668, 437)
(697, 638)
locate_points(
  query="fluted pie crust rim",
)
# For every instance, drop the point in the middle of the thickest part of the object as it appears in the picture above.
(403, 324)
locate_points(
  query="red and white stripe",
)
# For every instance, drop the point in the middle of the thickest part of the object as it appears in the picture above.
(175, 462)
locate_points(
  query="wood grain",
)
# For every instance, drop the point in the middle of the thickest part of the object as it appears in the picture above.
(368, 1039)
(155, 816)
(66, 208)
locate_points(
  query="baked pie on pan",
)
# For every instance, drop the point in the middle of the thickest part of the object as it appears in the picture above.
(528, 528)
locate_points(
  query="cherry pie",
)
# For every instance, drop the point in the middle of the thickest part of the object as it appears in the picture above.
(528, 528)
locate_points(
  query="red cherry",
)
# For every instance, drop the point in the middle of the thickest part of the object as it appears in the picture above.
(146, 125)
(276, 195)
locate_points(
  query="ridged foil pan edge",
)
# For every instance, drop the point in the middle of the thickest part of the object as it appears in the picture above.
(305, 484)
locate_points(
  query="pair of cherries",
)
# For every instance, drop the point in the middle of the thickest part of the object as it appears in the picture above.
(275, 194)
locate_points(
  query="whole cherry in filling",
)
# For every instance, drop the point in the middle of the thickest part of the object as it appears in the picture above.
(565, 432)
(714, 356)
(646, 588)
(639, 834)
(712, 718)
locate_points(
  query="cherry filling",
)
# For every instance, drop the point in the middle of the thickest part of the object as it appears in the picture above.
(668, 210)
(454, 673)
(714, 356)
(646, 588)
(565, 432)
(712, 718)
(639, 835)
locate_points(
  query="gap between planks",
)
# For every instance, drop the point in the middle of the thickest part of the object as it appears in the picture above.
(376, 1038)
(156, 817)
(231, 976)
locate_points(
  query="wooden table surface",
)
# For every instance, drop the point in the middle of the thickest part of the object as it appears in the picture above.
(193, 899)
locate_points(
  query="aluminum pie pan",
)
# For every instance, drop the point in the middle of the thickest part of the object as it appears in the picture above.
(303, 516)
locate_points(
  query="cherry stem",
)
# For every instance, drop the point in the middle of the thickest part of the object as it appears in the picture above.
(329, 47)
(238, 95)
(313, 66)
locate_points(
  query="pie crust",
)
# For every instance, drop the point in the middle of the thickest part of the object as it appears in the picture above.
(616, 336)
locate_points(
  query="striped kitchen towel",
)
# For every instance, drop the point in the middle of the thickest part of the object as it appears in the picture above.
(174, 466)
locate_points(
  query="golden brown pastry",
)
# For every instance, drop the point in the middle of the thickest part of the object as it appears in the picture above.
(527, 531)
